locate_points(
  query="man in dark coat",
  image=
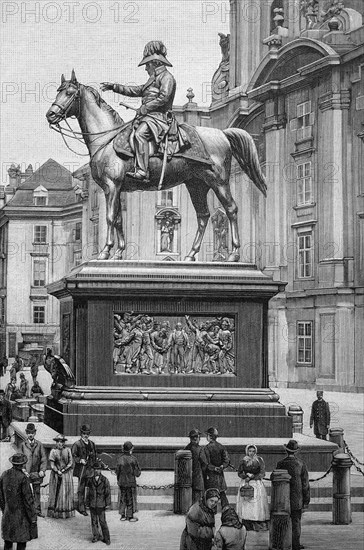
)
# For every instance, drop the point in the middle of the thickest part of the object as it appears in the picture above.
(5, 416)
(320, 416)
(152, 121)
(299, 488)
(3, 365)
(127, 470)
(216, 458)
(36, 465)
(198, 464)
(84, 455)
(98, 498)
(19, 521)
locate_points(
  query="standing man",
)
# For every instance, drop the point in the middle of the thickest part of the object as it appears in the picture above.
(98, 499)
(19, 521)
(36, 464)
(299, 491)
(127, 470)
(198, 465)
(24, 386)
(84, 456)
(6, 417)
(216, 459)
(152, 122)
(34, 368)
(3, 365)
(320, 416)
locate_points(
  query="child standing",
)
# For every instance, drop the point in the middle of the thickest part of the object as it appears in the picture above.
(98, 498)
(127, 469)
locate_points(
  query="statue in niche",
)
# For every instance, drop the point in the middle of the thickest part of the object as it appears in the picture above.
(220, 80)
(220, 232)
(167, 225)
(178, 343)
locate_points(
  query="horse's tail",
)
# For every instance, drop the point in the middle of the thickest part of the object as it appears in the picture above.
(245, 152)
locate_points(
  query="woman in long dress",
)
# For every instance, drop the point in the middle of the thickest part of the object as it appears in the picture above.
(61, 504)
(252, 509)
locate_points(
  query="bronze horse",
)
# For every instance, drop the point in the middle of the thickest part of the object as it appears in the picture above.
(99, 124)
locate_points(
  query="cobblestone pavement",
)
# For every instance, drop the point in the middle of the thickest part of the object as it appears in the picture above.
(162, 531)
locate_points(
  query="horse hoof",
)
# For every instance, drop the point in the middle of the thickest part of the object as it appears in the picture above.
(190, 259)
(233, 257)
(103, 256)
(118, 255)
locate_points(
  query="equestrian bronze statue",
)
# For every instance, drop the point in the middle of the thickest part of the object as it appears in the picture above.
(153, 152)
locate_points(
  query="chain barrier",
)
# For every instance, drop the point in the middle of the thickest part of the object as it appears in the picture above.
(156, 487)
(322, 477)
(356, 461)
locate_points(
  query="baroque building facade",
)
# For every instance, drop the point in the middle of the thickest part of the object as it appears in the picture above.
(41, 240)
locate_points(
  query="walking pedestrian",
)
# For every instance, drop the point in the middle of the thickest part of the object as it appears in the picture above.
(127, 470)
(98, 499)
(84, 455)
(320, 416)
(6, 417)
(299, 491)
(232, 533)
(60, 504)
(198, 464)
(24, 386)
(36, 465)
(216, 458)
(200, 522)
(19, 521)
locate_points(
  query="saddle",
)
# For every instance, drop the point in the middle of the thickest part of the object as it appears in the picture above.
(195, 149)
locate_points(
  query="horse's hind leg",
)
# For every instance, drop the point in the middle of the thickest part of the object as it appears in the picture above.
(224, 195)
(111, 214)
(199, 200)
(119, 235)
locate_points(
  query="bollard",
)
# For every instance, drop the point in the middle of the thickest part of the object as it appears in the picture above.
(280, 528)
(182, 482)
(341, 506)
(336, 435)
(296, 412)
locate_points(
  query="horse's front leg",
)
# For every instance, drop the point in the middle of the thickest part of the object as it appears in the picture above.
(118, 255)
(111, 213)
(198, 193)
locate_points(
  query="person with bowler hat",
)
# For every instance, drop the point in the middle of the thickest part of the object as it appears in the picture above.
(320, 416)
(19, 521)
(84, 455)
(299, 490)
(98, 498)
(198, 464)
(127, 470)
(216, 459)
(36, 465)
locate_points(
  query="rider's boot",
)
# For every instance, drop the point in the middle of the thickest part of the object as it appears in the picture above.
(141, 161)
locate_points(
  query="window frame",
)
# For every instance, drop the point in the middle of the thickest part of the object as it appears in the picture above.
(305, 178)
(41, 310)
(39, 260)
(304, 126)
(303, 252)
(303, 338)
(40, 241)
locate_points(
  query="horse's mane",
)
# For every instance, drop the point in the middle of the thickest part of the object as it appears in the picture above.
(103, 105)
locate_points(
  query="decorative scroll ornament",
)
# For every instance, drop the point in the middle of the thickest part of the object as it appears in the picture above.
(220, 80)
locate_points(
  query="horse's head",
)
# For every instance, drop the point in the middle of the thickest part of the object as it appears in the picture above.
(67, 100)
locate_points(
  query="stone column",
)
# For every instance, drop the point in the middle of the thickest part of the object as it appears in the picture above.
(280, 529)
(296, 412)
(341, 506)
(182, 482)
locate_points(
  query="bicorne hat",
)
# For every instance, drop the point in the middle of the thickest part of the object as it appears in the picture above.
(18, 459)
(155, 50)
(292, 446)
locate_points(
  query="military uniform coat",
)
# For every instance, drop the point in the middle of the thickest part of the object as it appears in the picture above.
(87, 452)
(215, 456)
(36, 455)
(299, 484)
(320, 417)
(17, 506)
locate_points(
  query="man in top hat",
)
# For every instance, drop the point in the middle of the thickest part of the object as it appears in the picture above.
(36, 464)
(19, 521)
(84, 455)
(6, 416)
(157, 95)
(98, 499)
(299, 488)
(198, 464)
(216, 458)
(320, 416)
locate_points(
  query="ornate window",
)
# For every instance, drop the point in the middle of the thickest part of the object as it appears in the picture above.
(304, 184)
(304, 342)
(40, 234)
(39, 314)
(168, 221)
(220, 226)
(40, 196)
(305, 254)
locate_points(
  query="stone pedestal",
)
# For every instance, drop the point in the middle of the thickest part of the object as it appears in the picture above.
(120, 395)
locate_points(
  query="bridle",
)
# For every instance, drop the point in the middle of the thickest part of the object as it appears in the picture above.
(69, 132)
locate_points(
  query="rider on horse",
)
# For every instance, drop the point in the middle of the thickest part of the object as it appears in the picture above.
(154, 118)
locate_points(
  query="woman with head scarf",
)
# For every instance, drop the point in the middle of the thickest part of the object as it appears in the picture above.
(252, 503)
(232, 533)
(200, 523)
(61, 503)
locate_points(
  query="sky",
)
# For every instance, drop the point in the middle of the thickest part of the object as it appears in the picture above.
(103, 41)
